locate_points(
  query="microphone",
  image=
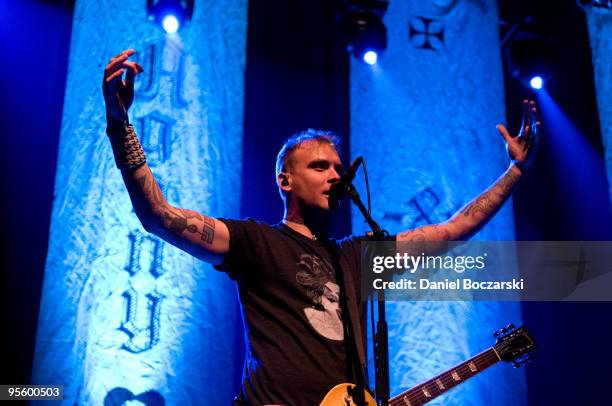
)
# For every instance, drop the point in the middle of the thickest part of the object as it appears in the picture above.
(338, 190)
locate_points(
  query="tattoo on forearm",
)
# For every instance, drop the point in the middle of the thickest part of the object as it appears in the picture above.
(177, 222)
(209, 230)
(441, 233)
(412, 235)
(482, 205)
(508, 182)
(434, 232)
(491, 200)
(426, 239)
(150, 188)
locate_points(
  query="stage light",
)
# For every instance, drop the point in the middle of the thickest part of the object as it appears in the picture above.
(370, 57)
(527, 53)
(364, 29)
(170, 23)
(171, 15)
(536, 82)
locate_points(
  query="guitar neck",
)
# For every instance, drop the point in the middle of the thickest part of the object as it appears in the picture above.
(439, 384)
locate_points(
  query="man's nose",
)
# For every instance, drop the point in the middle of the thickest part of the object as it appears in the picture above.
(334, 176)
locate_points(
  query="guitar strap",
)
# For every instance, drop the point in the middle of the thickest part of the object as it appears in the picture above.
(353, 328)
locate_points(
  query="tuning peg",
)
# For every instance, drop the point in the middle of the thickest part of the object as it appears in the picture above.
(510, 327)
(500, 332)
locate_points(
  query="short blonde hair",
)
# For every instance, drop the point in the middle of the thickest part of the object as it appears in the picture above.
(297, 139)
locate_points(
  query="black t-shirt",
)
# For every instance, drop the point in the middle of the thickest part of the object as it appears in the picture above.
(289, 298)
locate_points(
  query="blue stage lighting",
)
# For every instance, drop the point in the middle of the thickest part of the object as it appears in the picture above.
(536, 82)
(364, 28)
(170, 23)
(370, 57)
(171, 15)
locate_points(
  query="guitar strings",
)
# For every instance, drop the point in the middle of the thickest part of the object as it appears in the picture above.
(419, 397)
(417, 393)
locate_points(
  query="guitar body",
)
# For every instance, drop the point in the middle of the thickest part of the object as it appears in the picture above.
(339, 395)
(512, 345)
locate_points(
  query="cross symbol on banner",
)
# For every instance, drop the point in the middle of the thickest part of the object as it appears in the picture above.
(426, 33)
(422, 209)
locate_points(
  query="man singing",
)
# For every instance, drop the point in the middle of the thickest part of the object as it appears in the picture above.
(297, 287)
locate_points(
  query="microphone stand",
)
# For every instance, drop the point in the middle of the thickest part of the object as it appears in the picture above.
(381, 340)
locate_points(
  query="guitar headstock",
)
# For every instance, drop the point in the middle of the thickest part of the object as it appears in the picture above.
(514, 345)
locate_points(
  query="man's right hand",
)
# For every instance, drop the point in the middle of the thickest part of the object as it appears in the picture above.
(119, 93)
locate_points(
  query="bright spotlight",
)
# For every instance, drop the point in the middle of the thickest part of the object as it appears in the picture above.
(370, 57)
(170, 24)
(364, 28)
(170, 14)
(536, 82)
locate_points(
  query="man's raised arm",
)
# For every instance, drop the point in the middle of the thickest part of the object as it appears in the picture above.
(201, 236)
(474, 215)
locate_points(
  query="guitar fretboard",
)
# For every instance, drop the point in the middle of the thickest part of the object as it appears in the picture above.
(439, 384)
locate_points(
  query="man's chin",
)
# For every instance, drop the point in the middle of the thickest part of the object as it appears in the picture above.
(322, 208)
(325, 208)
(330, 204)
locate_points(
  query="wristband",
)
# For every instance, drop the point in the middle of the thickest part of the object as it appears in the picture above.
(127, 149)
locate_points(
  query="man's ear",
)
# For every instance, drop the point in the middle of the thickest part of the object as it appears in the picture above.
(284, 182)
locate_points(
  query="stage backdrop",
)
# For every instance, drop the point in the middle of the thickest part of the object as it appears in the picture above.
(600, 33)
(125, 316)
(424, 118)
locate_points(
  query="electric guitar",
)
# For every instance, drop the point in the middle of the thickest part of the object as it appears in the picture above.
(512, 345)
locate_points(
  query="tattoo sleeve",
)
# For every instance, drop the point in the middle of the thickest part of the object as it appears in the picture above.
(201, 236)
(178, 221)
(428, 239)
(474, 215)
(433, 232)
(184, 228)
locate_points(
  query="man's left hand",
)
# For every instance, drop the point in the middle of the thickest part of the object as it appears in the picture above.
(523, 146)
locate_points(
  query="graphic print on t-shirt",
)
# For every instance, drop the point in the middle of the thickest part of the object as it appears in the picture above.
(325, 316)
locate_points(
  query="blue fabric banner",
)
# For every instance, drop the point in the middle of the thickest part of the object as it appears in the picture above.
(424, 119)
(600, 33)
(125, 316)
